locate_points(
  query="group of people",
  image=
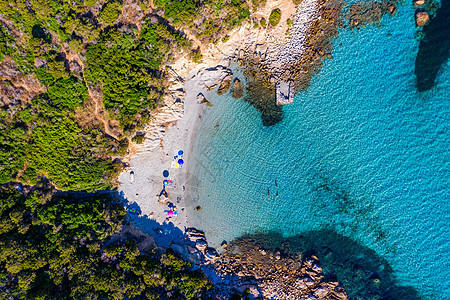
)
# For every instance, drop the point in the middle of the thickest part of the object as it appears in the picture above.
(276, 186)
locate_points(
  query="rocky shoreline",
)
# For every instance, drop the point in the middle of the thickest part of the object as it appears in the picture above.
(246, 267)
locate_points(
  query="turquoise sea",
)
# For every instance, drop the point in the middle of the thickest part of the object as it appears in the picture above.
(360, 152)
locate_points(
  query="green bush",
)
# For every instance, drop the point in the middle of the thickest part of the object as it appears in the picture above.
(257, 3)
(289, 22)
(76, 45)
(138, 139)
(67, 93)
(184, 11)
(275, 17)
(196, 55)
(110, 13)
(263, 22)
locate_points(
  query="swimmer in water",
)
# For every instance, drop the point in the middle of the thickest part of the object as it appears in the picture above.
(276, 185)
(268, 191)
(277, 193)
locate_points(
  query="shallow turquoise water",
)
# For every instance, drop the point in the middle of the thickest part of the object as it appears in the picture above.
(360, 152)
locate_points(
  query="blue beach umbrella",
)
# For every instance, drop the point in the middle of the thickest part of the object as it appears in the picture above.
(180, 161)
(180, 152)
(166, 173)
(166, 182)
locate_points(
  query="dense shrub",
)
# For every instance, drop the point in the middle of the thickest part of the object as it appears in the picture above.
(263, 22)
(275, 17)
(128, 68)
(51, 249)
(67, 93)
(196, 55)
(110, 13)
(42, 139)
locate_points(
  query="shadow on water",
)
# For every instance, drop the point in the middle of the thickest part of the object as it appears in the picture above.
(262, 97)
(434, 48)
(363, 273)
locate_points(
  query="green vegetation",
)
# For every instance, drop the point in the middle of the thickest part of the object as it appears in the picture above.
(275, 17)
(58, 246)
(196, 55)
(257, 4)
(289, 22)
(214, 18)
(67, 93)
(127, 67)
(110, 13)
(263, 22)
(44, 140)
(138, 139)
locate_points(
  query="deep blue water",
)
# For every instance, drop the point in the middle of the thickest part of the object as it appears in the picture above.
(360, 152)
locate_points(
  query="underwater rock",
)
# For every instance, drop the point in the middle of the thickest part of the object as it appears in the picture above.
(422, 18)
(237, 89)
(392, 9)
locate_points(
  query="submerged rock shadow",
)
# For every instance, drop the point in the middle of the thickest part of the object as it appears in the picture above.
(434, 48)
(262, 97)
(363, 273)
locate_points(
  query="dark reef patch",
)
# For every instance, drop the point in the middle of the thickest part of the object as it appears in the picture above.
(262, 97)
(434, 48)
(363, 273)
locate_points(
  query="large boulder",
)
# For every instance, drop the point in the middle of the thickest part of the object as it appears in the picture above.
(422, 18)
(201, 244)
(211, 254)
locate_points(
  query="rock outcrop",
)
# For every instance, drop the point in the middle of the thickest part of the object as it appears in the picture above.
(422, 18)
(275, 275)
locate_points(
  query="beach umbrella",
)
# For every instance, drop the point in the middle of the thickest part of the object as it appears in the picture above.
(180, 152)
(176, 165)
(166, 182)
(166, 173)
(180, 161)
(170, 213)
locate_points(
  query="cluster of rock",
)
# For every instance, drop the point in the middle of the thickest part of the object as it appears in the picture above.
(221, 77)
(246, 266)
(195, 248)
(422, 16)
(362, 13)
